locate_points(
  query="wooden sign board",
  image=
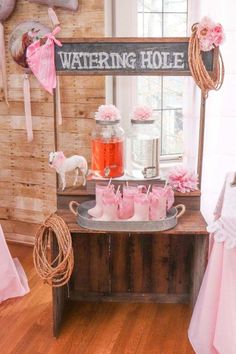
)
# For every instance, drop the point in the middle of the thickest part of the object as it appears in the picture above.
(126, 56)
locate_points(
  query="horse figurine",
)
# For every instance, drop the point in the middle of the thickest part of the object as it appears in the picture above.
(62, 164)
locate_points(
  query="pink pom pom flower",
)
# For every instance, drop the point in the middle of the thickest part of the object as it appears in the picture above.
(108, 113)
(210, 34)
(183, 180)
(142, 113)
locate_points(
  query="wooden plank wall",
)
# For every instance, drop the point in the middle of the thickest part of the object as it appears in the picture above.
(27, 184)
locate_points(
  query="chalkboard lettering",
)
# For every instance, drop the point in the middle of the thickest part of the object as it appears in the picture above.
(129, 57)
(116, 61)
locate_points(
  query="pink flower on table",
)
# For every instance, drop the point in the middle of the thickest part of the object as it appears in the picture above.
(142, 113)
(183, 180)
(108, 113)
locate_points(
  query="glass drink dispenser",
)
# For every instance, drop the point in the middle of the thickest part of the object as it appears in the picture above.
(108, 149)
(142, 149)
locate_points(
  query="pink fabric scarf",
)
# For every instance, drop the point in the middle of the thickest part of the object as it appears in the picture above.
(58, 160)
(41, 60)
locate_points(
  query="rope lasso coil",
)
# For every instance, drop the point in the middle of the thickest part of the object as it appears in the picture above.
(55, 272)
(202, 78)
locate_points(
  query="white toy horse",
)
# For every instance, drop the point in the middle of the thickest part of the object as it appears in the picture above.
(61, 164)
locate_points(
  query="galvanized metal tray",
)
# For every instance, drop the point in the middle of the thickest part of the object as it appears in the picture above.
(88, 222)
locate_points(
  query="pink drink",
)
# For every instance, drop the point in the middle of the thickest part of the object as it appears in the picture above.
(158, 203)
(170, 197)
(168, 191)
(157, 207)
(126, 207)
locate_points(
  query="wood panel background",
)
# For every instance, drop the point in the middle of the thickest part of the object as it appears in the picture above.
(27, 184)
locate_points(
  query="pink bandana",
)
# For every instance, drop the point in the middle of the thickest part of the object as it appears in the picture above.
(41, 60)
(58, 160)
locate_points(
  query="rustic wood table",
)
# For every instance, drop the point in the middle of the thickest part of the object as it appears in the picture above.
(162, 267)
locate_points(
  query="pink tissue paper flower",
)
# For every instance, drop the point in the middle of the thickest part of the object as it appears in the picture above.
(142, 113)
(206, 44)
(108, 113)
(210, 34)
(205, 26)
(183, 180)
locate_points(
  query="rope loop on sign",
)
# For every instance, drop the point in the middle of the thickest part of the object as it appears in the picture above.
(55, 272)
(202, 78)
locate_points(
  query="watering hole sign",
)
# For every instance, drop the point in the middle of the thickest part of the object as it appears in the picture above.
(126, 56)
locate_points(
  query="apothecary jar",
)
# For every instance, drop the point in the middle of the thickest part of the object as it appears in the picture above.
(142, 149)
(108, 149)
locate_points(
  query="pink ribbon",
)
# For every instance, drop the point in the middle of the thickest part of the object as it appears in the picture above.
(28, 115)
(41, 60)
(3, 62)
(52, 36)
(53, 17)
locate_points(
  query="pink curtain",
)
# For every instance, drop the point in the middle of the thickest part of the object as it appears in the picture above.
(213, 325)
(191, 102)
(13, 280)
(220, 133)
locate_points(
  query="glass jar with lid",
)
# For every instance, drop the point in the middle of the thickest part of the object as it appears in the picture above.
(108, 143)
(142, 145)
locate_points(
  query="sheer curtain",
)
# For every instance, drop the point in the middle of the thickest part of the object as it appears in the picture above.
(125, 25)
(191, 101)
(220, 129)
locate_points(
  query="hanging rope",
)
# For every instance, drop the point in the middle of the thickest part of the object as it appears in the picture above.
(202, 78)
(55, 272)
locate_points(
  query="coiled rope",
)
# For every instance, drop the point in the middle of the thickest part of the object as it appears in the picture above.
(57, 271)
(202, 78)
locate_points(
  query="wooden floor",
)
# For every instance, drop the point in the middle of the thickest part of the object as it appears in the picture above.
(90, 328)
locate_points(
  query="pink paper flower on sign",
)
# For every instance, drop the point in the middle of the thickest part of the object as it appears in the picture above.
(206, 44)
(183, 180)
(218, 35)
(142, 113)
(108, 113)
(205, 26)
(210, 34)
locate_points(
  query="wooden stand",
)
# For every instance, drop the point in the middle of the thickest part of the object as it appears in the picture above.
(165, 267)
(157, 267)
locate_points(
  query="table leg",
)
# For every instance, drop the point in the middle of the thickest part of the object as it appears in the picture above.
(59, 296)
(200, 257)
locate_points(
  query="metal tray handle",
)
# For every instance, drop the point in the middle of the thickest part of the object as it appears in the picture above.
(73, 207)
(182, 209)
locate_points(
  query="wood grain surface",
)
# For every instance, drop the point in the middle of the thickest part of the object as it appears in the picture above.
(27, 184)
(89, 328)
(191, 223)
